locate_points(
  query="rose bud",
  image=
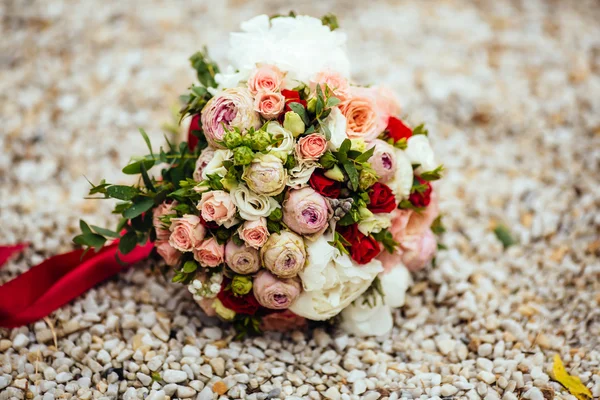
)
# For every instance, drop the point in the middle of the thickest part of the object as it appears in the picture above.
(306, 212)
(226, 313)
(242, 155)
(241, 285)
(284, 254)
(383, 160)
(269, 104)
(232, 139)
(367, 178)
(217, 206)
(293, 123)
(210, 253)
(241, 259)
(255, 233)
(265, 175)
(275, 293)
(335, 173)
(258, 140)
(423, 198)
(186, 232)
(311, 147)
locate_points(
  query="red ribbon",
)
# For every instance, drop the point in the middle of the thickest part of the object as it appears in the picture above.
(58, 280)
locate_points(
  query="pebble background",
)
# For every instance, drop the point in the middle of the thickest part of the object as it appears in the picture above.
(511, 93)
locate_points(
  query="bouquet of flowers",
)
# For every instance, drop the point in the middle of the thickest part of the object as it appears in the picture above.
(298, 196)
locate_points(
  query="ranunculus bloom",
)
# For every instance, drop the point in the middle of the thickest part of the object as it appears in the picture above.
(284, 254)
(162, 232)
(269, 104)
(383, 160)
(311, 147)
(265, 175)
(169, 253)
(362, 118)
(266, 78)
(250, 205)
(186, 232)
(241, 259)
(421, 199)
(325, 186)
(233, 108)
(381, 199)
(334, 81)
(362, 248)
(306, 212)
(254, 233)
(282, 322)
(209, 253)
(205, 157)
(245, 304)
(217, 206)
(273, 292)
(397, 129)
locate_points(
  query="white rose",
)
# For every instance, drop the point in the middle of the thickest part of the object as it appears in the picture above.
(250, 205)
(215, 166)
(336, 122)
(374, 224)
(331, 282)
(287, 140)
(402, 181)
(419, 151)
(300, 174)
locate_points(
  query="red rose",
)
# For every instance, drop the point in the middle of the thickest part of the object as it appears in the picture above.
(324, 186)
(381, 198)
(423, 199)
(194, 126)
(245, 304)
(292, 96)
(397, 130)
(362, 248)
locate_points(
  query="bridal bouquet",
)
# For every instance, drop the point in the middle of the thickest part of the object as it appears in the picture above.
(299, 194)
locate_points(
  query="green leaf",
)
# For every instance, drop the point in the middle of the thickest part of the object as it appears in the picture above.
(205, 68)
(147, 140)
(407, 205)
(342, 153)
(301, 111)
(190, 266)
(364, 157)
(330, 20)
(122, 192)
(147, 181)
(352, 174)
(135, 167)
(273, 226)
(85, 228)
(106, 232)
(128, 242)
(332, 102)
(437, 227)
(138, 208)
(433, 175)
(320, 102)
(420, 130)
(91, 240)
(325, 130)
(503, 234)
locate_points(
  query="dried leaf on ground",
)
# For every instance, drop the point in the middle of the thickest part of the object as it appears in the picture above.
(572, 383)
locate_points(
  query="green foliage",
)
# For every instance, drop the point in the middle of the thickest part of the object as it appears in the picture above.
(433, 175)
(340, 243)
(331, 21)
(437, 227)
(373, 292)
(420, 130)
(386, 239)
(504, 235)
(206, 69)
(246, 325)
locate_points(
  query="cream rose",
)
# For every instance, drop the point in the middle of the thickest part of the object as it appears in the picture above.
(215, 165)
(252, 206)
(269, 104)
(285, 139)
(241, 259)
(265, 175)
(306, 212)
(265, 78)
(205, 157)
(374, 223)
(186, 232)
(311, 147)
(284, 254)
(209, 253)
(273, 292)
(217, 206)
(254, 233)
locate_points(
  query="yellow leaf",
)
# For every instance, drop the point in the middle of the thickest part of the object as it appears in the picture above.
(572, 383)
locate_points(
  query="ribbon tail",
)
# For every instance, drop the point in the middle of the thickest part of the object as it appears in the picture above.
(8, 251)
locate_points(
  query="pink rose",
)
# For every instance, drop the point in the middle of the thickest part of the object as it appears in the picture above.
(204, 158)
(311, 147)
(210, 253)
(207, 306)
(186, 232)
(241, 259)
(383, 160)
(254, 233)
(387, 103)
(266, 78)
(363, 117)
(282, 322)
(170, 254)
(306, 212)
(418, 250)
(162, 231)
(334, 81)
(217, 206)
(275, 293)
(269, 104)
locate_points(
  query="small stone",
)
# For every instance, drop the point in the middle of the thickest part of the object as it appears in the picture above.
(185, 392)
(49, 374)
(485, 349)
(63, 377)
(158, 395)
(332, 393)
(219, 387)
(218, 366)
(205, 394)
(145, 379)
(446, 346)
(213, 332)
(448, 390)
(20, 341)
(359, 387)
(485, 364)
(534, 394)
(20, 384)
(487, 377)
(190, 351)
(174, 376)
(160, 333)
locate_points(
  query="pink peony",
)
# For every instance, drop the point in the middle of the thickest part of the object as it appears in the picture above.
(203, 160)
(254, 233)
(266, 78)
(230, 108)
(383, 160)
(275, 293)
(311, 147)
(334, 81)
(241, 259)
(210, 253)
(186, 232)
(364, 119)
(162, 232)
(217, 206)
(306, 212)
(282, 321)
(170, 254)
(269, 104)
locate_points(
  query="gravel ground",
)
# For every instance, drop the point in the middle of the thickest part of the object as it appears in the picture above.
(511, 93)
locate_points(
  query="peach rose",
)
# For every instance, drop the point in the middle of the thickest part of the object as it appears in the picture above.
(266, 78)
(311, 147)
(254, 233)
(334, 81)
(217, 206)
(169, 253)
(186, 232)
(282, 322)
(210, 253)
(363, 117)
(269, 104)
(162, 232)
(275, 293)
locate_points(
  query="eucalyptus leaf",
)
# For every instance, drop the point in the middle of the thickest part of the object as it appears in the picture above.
(128, 242)
(106, 232)
(352, 174)
(138, 208)
(147, 140)
(135, 167)
(121, 192)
